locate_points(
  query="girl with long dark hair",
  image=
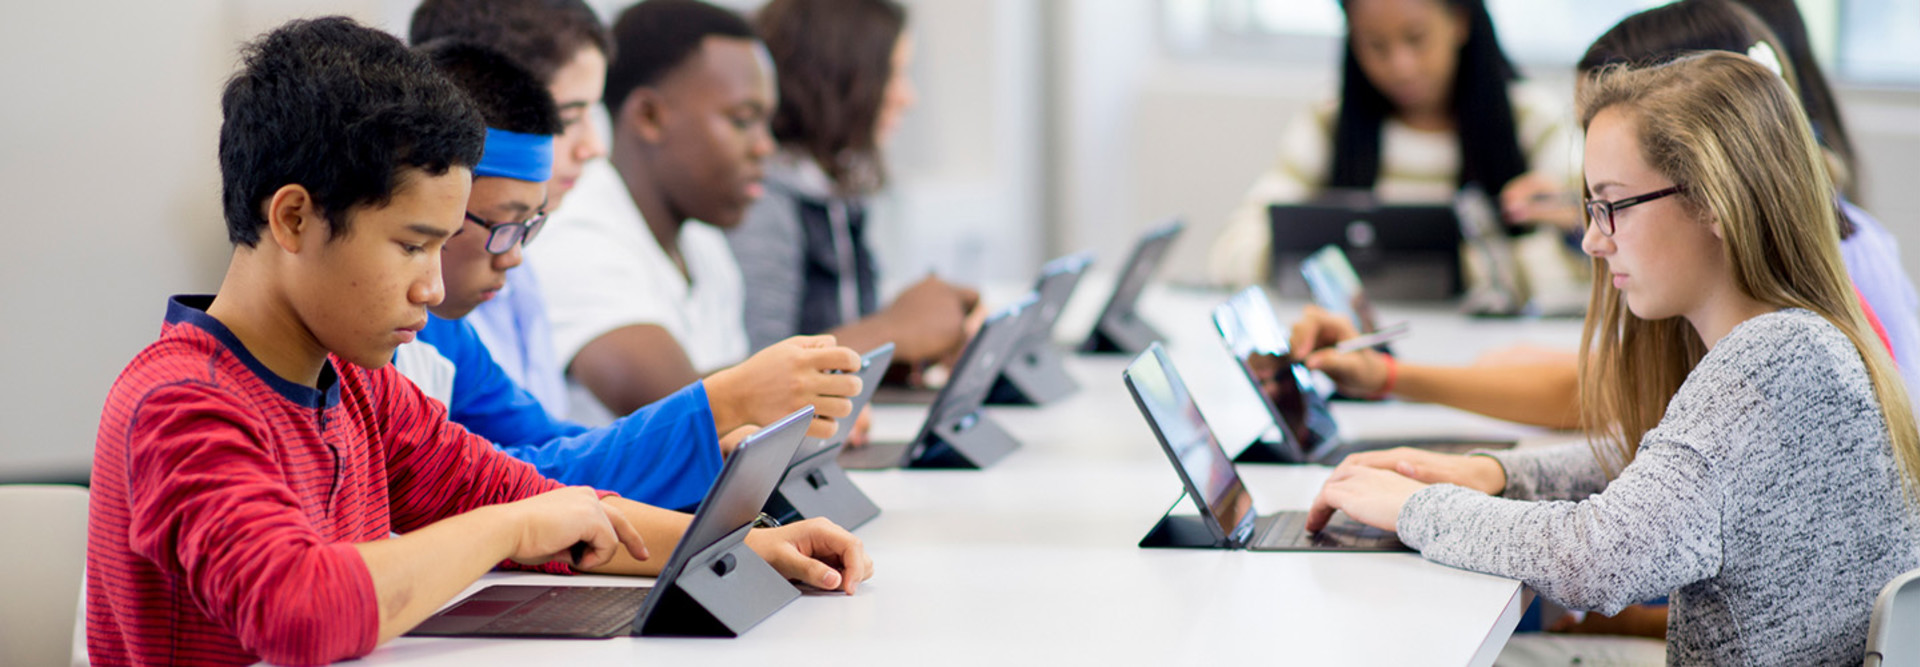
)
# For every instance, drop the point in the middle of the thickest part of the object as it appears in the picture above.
(1428, 104)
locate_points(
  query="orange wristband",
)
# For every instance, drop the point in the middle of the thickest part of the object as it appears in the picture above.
(1393, 373)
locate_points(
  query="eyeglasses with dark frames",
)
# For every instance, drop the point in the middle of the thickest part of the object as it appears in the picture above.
(502, 235)
(1600, 211)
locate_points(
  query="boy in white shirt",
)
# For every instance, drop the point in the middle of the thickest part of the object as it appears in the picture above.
(642, 289)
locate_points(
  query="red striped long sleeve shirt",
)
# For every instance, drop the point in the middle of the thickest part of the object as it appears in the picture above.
(227, 500)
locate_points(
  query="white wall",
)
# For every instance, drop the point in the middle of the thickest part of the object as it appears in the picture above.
(1098, 63)
(108, 169)
(107, 160)
(1886, 131)
(968, 165)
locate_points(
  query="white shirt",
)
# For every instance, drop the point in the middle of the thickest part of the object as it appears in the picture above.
(422, 363)
(602, 269)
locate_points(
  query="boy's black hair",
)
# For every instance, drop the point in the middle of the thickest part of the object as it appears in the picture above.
(654, 37)
(507, 95)
(1482, 111)
(543, 35)
(341, 109)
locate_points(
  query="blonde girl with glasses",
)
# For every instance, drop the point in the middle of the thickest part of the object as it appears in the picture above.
(1752, 451)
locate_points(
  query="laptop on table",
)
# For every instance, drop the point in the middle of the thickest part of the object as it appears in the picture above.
(1227, 518)
(815, 485)
(1036, 373)
(957, 432)
(1509, 287)
(1120, 328)
(1504, 292)
(1304, 430)
(1403, 252)
(1337, 287)
(712, 585)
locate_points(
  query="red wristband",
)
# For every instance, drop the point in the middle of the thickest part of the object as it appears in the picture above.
(1393, 373)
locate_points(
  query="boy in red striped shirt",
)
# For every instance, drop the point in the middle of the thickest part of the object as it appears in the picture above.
(252, 463)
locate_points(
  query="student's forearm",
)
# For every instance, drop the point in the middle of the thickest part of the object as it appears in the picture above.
(1544, 394)
(415, 573)
(661, 529)
(624, 396)
(632, 366)
(724, 399)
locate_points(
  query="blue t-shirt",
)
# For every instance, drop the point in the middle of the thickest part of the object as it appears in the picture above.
(665, 454)
(515, 329)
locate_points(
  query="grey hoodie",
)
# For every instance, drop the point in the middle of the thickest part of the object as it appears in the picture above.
(803, 254)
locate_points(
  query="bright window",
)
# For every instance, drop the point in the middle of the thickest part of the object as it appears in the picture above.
(1879, 41)
(1862, 41)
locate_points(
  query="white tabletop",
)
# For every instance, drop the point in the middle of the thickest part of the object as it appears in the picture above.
(1034, 560)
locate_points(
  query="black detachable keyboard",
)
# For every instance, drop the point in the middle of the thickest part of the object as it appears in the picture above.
(576, 611)
(1289, 531)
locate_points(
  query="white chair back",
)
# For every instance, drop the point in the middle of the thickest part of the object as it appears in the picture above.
(41, 561)
(1893, 636)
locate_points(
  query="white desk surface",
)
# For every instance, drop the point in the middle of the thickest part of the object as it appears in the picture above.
(1034, 560)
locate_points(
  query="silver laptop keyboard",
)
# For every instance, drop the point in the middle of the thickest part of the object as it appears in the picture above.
(571, 610)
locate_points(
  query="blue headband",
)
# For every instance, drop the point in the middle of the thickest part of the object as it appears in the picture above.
(522, 157)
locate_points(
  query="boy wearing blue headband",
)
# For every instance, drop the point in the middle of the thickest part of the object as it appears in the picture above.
(565, 45)
(666, 453)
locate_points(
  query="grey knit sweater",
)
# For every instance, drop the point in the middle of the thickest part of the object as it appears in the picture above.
(1767, 503)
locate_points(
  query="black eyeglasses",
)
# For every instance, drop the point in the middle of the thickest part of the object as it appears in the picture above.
(1600, 211)
(502, 235)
